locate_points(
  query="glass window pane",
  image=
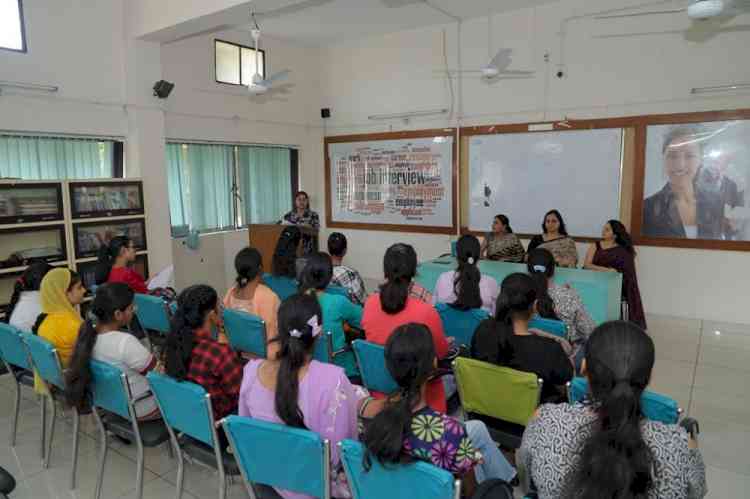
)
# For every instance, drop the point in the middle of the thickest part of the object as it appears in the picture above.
(11, 33)
(52, 158)
(227, 63)
(264, 177)
(248, 65)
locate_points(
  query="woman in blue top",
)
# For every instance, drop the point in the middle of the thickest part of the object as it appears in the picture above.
(337, 309)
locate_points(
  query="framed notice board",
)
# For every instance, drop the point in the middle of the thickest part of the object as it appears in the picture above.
(399, 181)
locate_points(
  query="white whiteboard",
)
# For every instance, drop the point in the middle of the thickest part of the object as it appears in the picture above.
(524, 175)
(396, 182)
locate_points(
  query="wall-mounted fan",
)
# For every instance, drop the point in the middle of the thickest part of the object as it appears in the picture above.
(697, 10)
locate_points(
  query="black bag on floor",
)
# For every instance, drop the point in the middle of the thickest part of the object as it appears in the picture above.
(493, 489)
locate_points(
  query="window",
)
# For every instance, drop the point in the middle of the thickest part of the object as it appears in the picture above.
(12, 36)
(58, 158)
(235, 64)
(215, 187)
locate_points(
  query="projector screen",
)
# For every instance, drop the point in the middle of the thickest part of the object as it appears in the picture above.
(524, 175)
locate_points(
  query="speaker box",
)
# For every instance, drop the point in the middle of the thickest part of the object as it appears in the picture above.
(163, 88)
(325, 113)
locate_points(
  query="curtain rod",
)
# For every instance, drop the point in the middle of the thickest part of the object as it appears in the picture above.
(174, 140)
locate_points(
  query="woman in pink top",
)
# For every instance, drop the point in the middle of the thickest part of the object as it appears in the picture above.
(296, 391)
(393, 307)
(251, 296)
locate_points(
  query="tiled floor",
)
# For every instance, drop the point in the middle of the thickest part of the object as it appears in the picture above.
(704, 365)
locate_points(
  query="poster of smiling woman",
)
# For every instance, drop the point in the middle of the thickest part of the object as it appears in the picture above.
(696, 181)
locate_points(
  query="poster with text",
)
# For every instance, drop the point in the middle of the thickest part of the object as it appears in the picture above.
(392, 182)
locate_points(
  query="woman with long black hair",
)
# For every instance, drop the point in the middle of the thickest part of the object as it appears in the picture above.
(102, 338)
(466, 287)
(555, 239)
(295, 390)
(193, 354)
(616, 253)
(25, 304)
(506, 339)
(605, 447)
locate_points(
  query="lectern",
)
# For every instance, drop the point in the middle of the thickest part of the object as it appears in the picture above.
(264, 237)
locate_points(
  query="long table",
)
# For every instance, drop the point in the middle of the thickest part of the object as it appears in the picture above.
(600, 291)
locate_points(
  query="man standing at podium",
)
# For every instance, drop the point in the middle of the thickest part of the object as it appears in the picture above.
(302, 215)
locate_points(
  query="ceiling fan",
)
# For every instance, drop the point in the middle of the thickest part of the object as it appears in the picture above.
(697, 10)
(259, 85)
(497, 68)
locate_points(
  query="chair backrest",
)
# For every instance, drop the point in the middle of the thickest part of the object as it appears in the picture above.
(417, 480)
(338, 290)
(371, 361)
(260, 447)
(551, 326)
(12, 348)
(185, 406)
(460, 324)
(284, 287)
(454, 248)
(152, 312)
(324, 348)
(245, 332)
(110, 389)
(45, 359)
(513, 396)
(654, 406)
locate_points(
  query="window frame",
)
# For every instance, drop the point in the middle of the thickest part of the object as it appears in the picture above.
(24, 47)
(240, 46)
(237, 204)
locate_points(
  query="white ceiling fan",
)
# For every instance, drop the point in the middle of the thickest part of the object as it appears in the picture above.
(497, 68)
(697, 10)
(258, 84)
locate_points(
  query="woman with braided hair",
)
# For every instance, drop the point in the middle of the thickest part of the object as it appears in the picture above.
(404, 428)
(192, 354)
(393, 306)
(295, 390)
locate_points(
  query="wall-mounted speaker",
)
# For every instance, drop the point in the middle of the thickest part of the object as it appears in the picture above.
(162, 89)
(325, 112)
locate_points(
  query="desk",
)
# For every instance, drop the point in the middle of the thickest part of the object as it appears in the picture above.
(600, 291)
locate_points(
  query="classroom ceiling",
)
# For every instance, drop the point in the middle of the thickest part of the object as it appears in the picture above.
(325, 22)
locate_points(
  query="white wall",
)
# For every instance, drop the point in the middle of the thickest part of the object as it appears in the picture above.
(201, 109)
(605, 76)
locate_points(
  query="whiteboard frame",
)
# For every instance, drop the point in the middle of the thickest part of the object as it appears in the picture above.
(451, 229)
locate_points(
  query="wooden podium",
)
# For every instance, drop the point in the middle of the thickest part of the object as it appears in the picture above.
(264, 237)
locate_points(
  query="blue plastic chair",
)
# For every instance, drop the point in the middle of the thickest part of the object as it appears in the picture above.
(454, 249)
(284, 287)
(551, 326)
(47, 365)
(371, 361)
(460, 324)
(186, 408)
(245, 332)
(417, 480)
(654, 406)
(14, 354)
(260, 447)
(111, 392)
(152, 312)
(324, 348)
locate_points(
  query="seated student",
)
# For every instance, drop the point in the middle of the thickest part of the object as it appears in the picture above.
(61, 291)
(405, 426)
(101, 338)
(393, 306)
(284, 270)
(337, 309)
(466, 288)
(192, 354)
(295, 390)
(114, 263)
(25, 303)
(251, 295)
(605, 448)
(506, 339)
(345, 276)
(560, 302)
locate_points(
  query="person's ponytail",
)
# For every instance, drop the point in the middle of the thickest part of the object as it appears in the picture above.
(616, 461)
(193, 304)
(18, 288)
(106, 258)
(541, 266)
(467, 277)
(399, 267)
(300, 325)
(30, 280)
(78, 375)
